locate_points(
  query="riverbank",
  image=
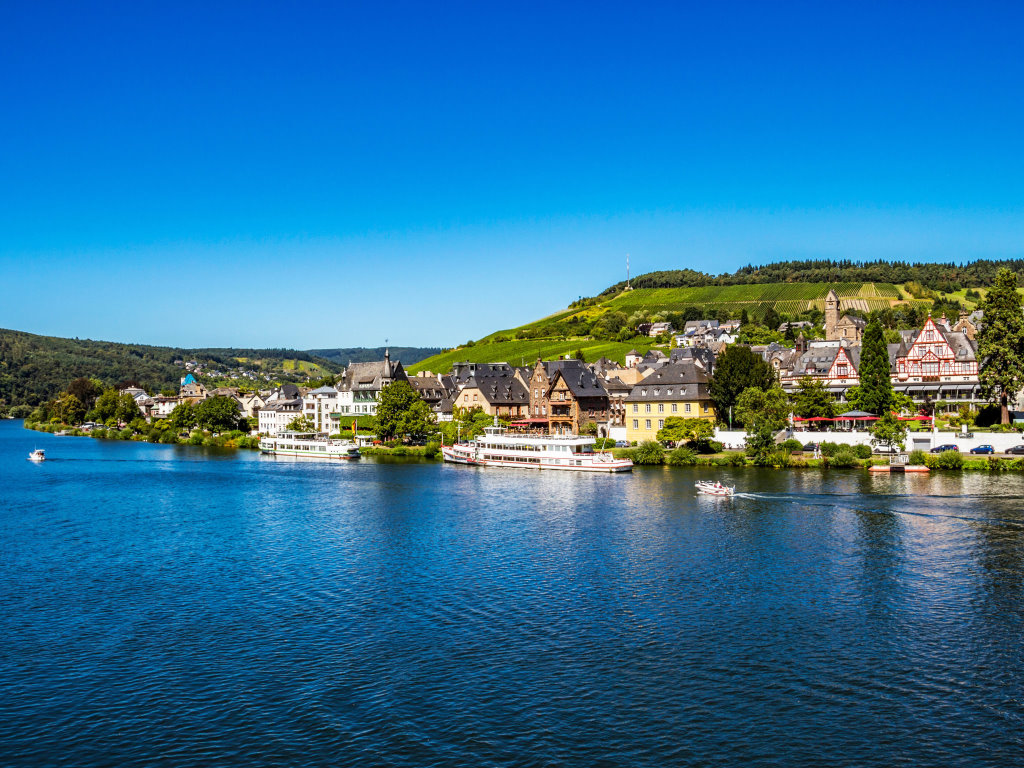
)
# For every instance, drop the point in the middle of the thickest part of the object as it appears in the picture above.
(841, 456)
(233, 439)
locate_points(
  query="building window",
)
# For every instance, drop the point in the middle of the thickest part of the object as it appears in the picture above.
(687, 408)
(647, 424)
(636, 408)
(647, 407)
(661, 407)
(636, 423)
(675, 407)
(661, 423)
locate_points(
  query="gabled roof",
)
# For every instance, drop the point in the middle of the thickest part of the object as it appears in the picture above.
(582, 383)
(677, 381)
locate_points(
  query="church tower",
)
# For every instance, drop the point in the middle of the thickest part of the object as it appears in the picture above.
(832, 315)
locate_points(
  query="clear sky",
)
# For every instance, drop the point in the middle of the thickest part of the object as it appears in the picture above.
(313, 175)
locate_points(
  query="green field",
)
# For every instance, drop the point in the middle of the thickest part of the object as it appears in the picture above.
(526, 352)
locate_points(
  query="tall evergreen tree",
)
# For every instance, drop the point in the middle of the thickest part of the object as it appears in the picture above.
(737, 369)
(875, 394)
(1001, 342)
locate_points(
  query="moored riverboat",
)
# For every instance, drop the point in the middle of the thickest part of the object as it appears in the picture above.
(309, 445)
(497, 448)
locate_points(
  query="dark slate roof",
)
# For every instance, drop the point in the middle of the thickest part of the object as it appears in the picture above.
(372, 376)
(616, 385)
(503, 390)
(858, 322)
(683, 380)
(581, 382)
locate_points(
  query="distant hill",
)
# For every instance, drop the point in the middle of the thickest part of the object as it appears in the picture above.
(36, 368)
(369, 354)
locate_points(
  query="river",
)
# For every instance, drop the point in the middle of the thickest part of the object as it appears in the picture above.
(180, 606)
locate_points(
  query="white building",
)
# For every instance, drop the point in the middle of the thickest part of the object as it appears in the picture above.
(319, 404)
(275, 416)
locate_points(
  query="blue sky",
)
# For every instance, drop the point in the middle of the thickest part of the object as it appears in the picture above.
(314, 175)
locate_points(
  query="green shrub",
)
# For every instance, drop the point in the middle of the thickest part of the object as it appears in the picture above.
(398, 451)
(792, 445)
(682, 457)
(433, 450)
(735, 458)
(829, 448)
(779, 459)
(649, 452)
(862, 451)
(918, 458)
(996, 464)
(168, 438)
(947, 460)
(712, 446)
(843, 458)
(602, 443)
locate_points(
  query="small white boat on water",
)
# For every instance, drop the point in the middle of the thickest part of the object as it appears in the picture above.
(715, 488)
(37, 455)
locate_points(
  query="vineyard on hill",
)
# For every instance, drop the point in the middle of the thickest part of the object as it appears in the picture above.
(583, 328)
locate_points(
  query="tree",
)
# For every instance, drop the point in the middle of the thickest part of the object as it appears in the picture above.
(680, 430)
(737, 369)
(875, 393)
(889, 431)
(301, 424)
(183, 416)
(1001, 343)
(106, 405)
(764, 413)
(401, 413)
(812, 400)
(68, 409)
(217, 414)
(127, 409)
(86, 390)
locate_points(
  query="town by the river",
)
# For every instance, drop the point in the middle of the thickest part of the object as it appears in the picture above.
(185, 606)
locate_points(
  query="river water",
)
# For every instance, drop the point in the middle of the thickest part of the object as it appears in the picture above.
(178, 606)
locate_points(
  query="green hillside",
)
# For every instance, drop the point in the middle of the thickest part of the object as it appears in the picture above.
(36, 368)
(526, 352)
(594, 325)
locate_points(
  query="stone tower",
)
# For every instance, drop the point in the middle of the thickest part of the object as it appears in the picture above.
(832, 315)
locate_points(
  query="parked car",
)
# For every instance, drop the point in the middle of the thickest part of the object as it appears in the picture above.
(882, 448)
(621, 444)
(983, 449)
(809, 447)
(946, 447)
(1016, 450)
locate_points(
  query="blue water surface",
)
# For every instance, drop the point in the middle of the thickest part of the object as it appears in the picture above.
(179, 606)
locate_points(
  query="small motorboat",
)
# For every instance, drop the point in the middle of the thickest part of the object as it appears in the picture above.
(37, 455)
(715, 488)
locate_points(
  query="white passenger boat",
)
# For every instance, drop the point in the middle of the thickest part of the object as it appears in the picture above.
(310, 445)
(37, 455)
(496, 448)
(714, 489)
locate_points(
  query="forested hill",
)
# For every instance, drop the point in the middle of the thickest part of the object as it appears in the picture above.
(369, 354)
(945, 278)
(37, 368)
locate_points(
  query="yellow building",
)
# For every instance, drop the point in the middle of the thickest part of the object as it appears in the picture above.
(679, 389)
